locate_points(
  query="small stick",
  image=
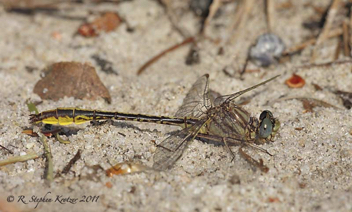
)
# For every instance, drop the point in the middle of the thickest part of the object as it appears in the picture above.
(61, 140)
(346, 41)
(241, 15)
(174, 20)
(214, 7)
(6, 149)
(350, 25)
(16, 159)
(338, 49)
(72, 161)
(158, 56)
(324, 64)
(311, 101)
(327, 26)
(49, 159)
(269, 13)
(301, 46)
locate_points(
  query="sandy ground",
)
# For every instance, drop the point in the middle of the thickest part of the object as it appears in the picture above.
(310, 170)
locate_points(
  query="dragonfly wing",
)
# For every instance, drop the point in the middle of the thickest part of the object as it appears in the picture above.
(171, 149)
(231, 97)
(197, 100)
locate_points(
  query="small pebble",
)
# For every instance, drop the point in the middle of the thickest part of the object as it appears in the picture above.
(29, 145)
(267, 50)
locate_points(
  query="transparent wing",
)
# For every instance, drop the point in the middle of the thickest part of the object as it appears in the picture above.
(171, 149)
(213, 95)
(231, 97)
(197, 100)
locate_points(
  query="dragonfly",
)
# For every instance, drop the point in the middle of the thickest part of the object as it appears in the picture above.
(204, 114)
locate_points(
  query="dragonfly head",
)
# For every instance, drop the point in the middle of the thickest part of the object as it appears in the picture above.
(268, 126)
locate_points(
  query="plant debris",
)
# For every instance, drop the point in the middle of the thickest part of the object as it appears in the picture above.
(346, 98)
(125, 168)
(16, 159)
(49, 168)
(299, 128)
(6, 149)
(295, 81)
(105, 65)
(30, 7)
(328, 25)
(32, 107)
(105, 23)
(317, 87)
(158, 56)
(308, 103)
(72, 161)
(71, 79)
(50, 133)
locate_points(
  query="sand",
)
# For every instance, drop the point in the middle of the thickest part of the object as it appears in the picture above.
(310, 169)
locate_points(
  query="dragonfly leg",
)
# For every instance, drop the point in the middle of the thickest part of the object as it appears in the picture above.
(228, 148)
(185, 121)
(259, 148)
(161, 146)
(254, 162)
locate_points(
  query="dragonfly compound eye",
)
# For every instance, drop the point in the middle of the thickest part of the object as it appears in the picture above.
(266, 124)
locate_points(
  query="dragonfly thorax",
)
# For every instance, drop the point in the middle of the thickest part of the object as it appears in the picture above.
(229, 120)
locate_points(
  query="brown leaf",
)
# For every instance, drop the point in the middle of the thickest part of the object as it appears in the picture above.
(125, 168)
(71, 79)
(105, 23)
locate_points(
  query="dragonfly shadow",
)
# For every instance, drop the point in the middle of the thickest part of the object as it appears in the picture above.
(51, 130)
(204, 140)
(68, 131)
(129, 126)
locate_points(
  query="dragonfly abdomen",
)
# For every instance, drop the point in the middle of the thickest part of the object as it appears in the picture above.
(65, 116)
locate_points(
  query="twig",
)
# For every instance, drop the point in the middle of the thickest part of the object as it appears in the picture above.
(15, 159)
(327, 26)
(307, 100)
(72, 161)
(173, 19)
(60, 139)
(346, 41)
(49, 159)
(241, 15)
(324, 64)
(158, 56)
(6, 149)
(350, 24)
(338, 49)
(214, 7)
(301, 46)
(269, 13)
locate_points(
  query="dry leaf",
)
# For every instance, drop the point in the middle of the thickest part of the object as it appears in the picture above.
(71, 79)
